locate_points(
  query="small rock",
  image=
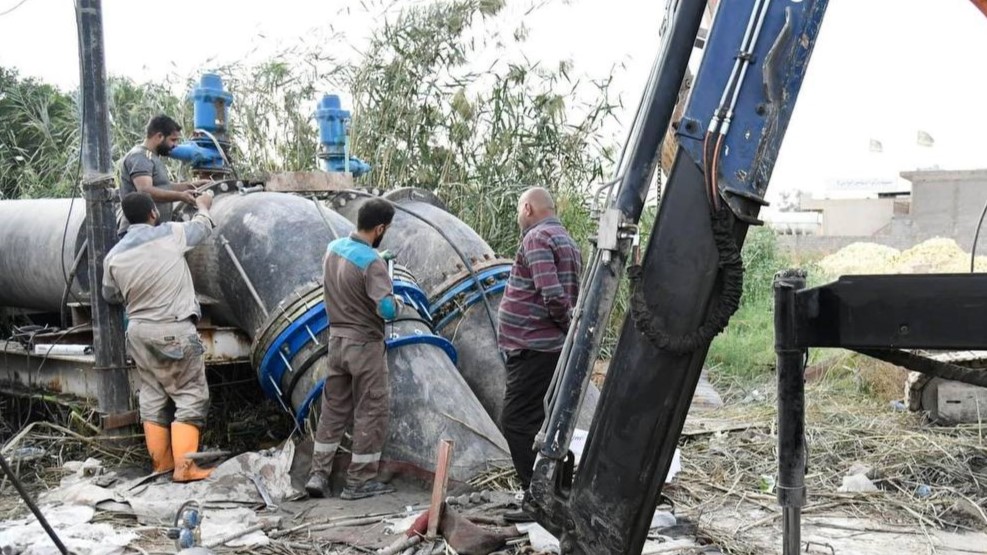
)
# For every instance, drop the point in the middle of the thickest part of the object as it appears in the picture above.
(857, 483)
(754, 397)
(663, 519)
(923, 491)
(476, 498)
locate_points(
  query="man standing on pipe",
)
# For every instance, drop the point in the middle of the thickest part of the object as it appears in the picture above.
(535, 312)
(142, 170)
(147, 272)
(359, 299)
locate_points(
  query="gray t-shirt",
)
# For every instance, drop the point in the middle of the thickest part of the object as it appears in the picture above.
(141, 161)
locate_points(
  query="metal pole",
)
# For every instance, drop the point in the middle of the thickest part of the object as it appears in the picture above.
(34, 508)
(98, 190)
(791, 408)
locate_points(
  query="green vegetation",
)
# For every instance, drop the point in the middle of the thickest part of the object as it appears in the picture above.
(423, 116)
(746, 348)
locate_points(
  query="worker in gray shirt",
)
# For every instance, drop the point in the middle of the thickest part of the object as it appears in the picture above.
(146, 271)
(143, 171)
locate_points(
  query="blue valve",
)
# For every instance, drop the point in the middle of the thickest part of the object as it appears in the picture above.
(210, 103)
(334, 138)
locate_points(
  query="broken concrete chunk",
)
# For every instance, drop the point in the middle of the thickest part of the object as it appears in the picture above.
(541, 539)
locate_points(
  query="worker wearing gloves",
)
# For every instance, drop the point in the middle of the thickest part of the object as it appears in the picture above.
(147, 272)
(359, 299)
(143, 170)
(535, 312)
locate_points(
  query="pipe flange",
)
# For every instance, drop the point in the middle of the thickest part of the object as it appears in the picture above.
(339, 199)
(296, 334)
(290, 329)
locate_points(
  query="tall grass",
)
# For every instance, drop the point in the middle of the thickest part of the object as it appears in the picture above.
(746, 348)
(39, 130)
(428, 118)
(39, 138)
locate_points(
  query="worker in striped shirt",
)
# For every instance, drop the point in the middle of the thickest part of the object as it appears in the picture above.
(534, 318)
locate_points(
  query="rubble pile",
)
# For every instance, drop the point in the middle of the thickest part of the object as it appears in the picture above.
(937, 255)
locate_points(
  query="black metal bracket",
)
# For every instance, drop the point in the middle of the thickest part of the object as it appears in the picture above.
(915, 311)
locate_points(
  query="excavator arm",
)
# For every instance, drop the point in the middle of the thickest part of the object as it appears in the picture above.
(690, 279)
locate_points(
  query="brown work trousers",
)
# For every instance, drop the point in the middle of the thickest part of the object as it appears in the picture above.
(356, 386)
(170, 360)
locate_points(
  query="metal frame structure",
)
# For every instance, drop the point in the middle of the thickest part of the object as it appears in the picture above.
(881, 316)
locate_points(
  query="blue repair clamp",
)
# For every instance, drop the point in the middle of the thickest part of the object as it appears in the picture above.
(393, 343)
(284, 348)
(414, 296)
(498, 272)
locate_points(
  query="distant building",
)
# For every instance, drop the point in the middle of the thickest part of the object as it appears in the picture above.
(938, 203)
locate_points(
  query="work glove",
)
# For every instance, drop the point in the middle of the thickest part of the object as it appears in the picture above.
(387, 255)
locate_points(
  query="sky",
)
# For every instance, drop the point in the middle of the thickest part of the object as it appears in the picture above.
(882, 70)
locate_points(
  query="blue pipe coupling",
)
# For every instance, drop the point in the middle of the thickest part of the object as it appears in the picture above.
(468, 291)
(296, 336)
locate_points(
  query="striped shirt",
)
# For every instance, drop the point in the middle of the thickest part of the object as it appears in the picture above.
(541, 291)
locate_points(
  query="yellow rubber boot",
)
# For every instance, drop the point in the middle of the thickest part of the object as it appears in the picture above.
(185, 440)
(158, 439)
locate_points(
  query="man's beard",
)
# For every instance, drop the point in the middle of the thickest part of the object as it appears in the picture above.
(377, 241)
(163, 150)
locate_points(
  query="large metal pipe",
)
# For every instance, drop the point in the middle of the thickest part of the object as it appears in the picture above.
(263, 265)
(261, 271)
(457, 269)
(33, 255)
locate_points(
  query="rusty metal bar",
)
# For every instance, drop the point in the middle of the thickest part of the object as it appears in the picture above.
(439, 486)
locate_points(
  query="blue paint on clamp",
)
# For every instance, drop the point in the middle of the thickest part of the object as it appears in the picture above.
(474, 291)
(287, 345)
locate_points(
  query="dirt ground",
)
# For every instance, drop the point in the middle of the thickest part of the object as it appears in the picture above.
(719, 506)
